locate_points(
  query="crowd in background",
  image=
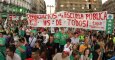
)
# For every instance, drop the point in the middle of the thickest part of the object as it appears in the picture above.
(18, 41)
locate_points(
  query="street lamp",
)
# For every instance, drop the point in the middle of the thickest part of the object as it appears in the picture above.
(50, 6)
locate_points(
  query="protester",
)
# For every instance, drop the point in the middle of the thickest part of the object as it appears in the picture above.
(62, 56)
(11, 55)
(32, 40)
(38, 46)
(75, 55)
(2, 46)
(97, 52)
(63, 38)
(68, 44)
(75, 38)
(65, 44)
(109, 50)
(45, 36)
(40, 37)
(84, 45)
(86, 54)
(35, 55)
(20, 48)
(57, 39)
(50, 47)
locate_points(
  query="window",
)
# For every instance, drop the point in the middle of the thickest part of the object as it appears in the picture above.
(95, 8)
(61, 5)
(89, 6)
(82, 7)
(88, 0)
(95, 0)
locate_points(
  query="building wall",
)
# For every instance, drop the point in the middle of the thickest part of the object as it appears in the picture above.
(40, 6)
(15, 8)
(109, 6)
(15, 5)
(78, 5)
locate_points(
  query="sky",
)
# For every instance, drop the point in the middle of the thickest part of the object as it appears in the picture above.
(104, 1)
(52, 3)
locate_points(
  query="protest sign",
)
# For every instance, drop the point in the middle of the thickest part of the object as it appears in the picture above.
(93, 21)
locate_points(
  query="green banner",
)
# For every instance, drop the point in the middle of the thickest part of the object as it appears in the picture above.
(109, 24)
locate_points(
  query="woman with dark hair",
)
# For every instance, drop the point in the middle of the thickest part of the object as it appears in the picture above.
(75, 55)
(50, 47)
(11, 55)
(21, 49)
(38, 46)
(86, 54)
(109, 50)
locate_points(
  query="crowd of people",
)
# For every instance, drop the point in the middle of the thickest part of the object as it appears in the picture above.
(18, 41)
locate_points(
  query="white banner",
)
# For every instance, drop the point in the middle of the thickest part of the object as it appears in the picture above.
(93, 21)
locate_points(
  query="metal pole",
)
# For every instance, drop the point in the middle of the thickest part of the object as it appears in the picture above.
(50, 9)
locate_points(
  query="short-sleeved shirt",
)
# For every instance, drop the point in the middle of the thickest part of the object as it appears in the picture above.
(15, 57)
(2, 42)
(34, 32)
(58, 56)
(2, 48)
(83, 47)
(74, 40)
(21, 33)
(22, 55)
(63, 39)
(57, 37)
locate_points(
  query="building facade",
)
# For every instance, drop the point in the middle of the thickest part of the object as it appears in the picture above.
(78, 5)
(109, 6)
(15, 8)
(39, 6)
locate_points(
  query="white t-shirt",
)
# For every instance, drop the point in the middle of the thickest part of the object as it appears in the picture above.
(74, 40)
(28, 31)
(70, 46)
(32, 41)
(46, 38)
(58, 56)
(16, 57)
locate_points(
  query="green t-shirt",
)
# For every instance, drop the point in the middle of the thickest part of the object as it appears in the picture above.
(2, 48)
(34, 31)
(2, 56)
(22, 55)
(21, 33)
(63, 39)
(13, 29)
(2, 42)
(57, 37)
(71, 57)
